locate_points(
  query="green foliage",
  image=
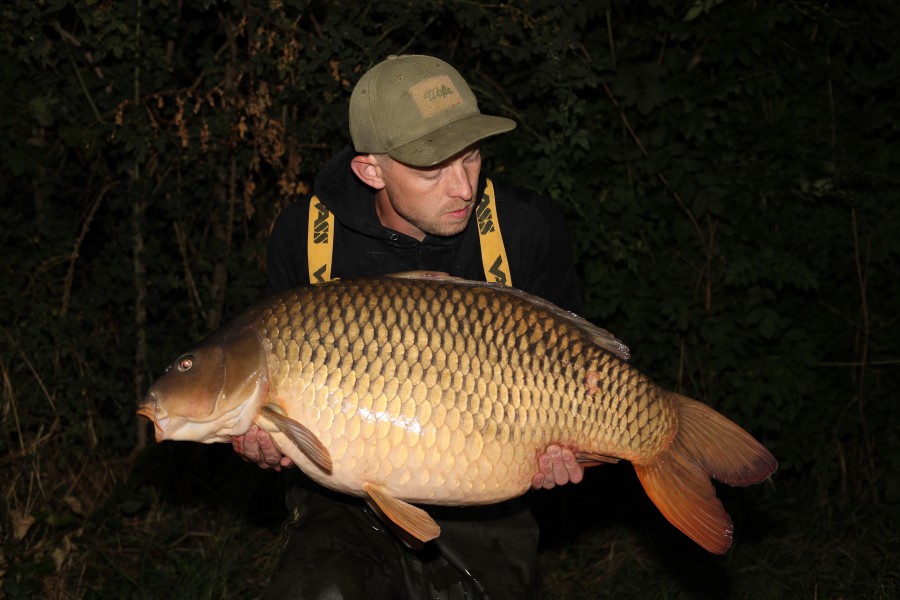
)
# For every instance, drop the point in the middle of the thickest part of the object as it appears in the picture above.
(728, 169)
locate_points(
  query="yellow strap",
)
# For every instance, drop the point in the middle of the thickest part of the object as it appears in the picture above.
(320, 241)
(493, 253)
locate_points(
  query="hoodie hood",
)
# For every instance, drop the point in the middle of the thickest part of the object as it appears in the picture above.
(351, 201)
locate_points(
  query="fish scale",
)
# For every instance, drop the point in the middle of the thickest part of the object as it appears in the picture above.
(428, 389)
(467, 340)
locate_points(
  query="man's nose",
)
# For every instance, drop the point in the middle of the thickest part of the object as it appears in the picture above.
(459, 186)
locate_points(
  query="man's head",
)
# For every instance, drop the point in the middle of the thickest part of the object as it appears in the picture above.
(419, 111)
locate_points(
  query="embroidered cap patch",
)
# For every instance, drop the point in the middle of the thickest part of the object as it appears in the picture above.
(435, 95)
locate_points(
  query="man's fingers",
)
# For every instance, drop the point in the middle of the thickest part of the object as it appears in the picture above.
(251, 444)
(270, 452)
(251, 448)
(560, 474)
(557, 466)
(257, 446)
(574, 469)
(267, 449)
(541, 479)
(548, 468)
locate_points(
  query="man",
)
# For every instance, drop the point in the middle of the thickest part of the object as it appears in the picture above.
(403, 199)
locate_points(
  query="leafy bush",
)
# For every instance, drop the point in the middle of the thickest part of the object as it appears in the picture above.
(728, 170)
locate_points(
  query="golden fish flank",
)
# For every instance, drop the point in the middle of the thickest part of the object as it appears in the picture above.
(437, 424)
(428, 389)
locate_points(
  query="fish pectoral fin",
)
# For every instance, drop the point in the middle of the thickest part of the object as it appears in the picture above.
(300, 435)
(412, 520)
(590, 459)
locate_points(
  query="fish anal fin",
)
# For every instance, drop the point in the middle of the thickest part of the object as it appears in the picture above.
(678, 480)
(412, 520)
(591, 459)
(299, 435)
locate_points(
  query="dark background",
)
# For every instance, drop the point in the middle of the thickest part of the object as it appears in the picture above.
(730, 174)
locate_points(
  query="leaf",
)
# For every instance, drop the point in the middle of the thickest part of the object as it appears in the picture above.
(21, 524)
(695, 11)
(74, 505)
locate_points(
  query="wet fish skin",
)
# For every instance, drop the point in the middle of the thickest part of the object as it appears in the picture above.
(428, 389)
(450, 407)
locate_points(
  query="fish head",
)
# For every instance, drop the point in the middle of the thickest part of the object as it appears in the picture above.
(211, 392)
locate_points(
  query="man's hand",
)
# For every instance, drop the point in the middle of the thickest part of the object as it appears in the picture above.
(557, 466)
(256, 446)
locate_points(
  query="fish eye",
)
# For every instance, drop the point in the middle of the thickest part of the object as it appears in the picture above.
(185, 363)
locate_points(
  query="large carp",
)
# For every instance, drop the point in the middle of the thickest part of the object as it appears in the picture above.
(424, 388)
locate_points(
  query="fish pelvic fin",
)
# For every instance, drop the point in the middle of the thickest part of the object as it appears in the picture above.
(678, 480)
(592, 459)
(411, 520)
(300, 435)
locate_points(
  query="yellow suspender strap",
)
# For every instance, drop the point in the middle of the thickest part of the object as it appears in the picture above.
(493, 253)
(320, 241)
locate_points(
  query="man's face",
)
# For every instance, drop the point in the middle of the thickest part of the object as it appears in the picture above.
(429, 200)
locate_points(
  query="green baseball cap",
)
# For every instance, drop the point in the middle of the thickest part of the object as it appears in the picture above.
(417, 110)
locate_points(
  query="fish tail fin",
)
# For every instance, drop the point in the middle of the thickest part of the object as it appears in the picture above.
(707, 445)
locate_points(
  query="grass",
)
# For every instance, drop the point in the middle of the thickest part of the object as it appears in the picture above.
(789, 543)
(192, 521)
(179, 521)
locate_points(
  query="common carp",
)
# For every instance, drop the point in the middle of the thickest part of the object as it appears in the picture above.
(428, 389)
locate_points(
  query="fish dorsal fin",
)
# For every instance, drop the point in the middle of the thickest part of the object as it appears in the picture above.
(427, 275)
(300, 435)
(411, 519)
(598, 335)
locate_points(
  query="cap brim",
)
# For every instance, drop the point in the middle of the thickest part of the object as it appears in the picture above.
(451, 139)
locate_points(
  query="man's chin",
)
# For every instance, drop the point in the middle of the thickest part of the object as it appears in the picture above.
(449, 229)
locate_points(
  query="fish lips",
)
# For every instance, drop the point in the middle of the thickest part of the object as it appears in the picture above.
(151, 409)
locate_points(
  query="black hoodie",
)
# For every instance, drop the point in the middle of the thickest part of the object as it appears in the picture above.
(534, 233)
(487, 551)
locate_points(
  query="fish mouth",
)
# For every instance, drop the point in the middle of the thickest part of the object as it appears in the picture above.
(148, 409)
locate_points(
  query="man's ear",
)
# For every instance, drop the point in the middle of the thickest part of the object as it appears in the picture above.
(368, 169)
